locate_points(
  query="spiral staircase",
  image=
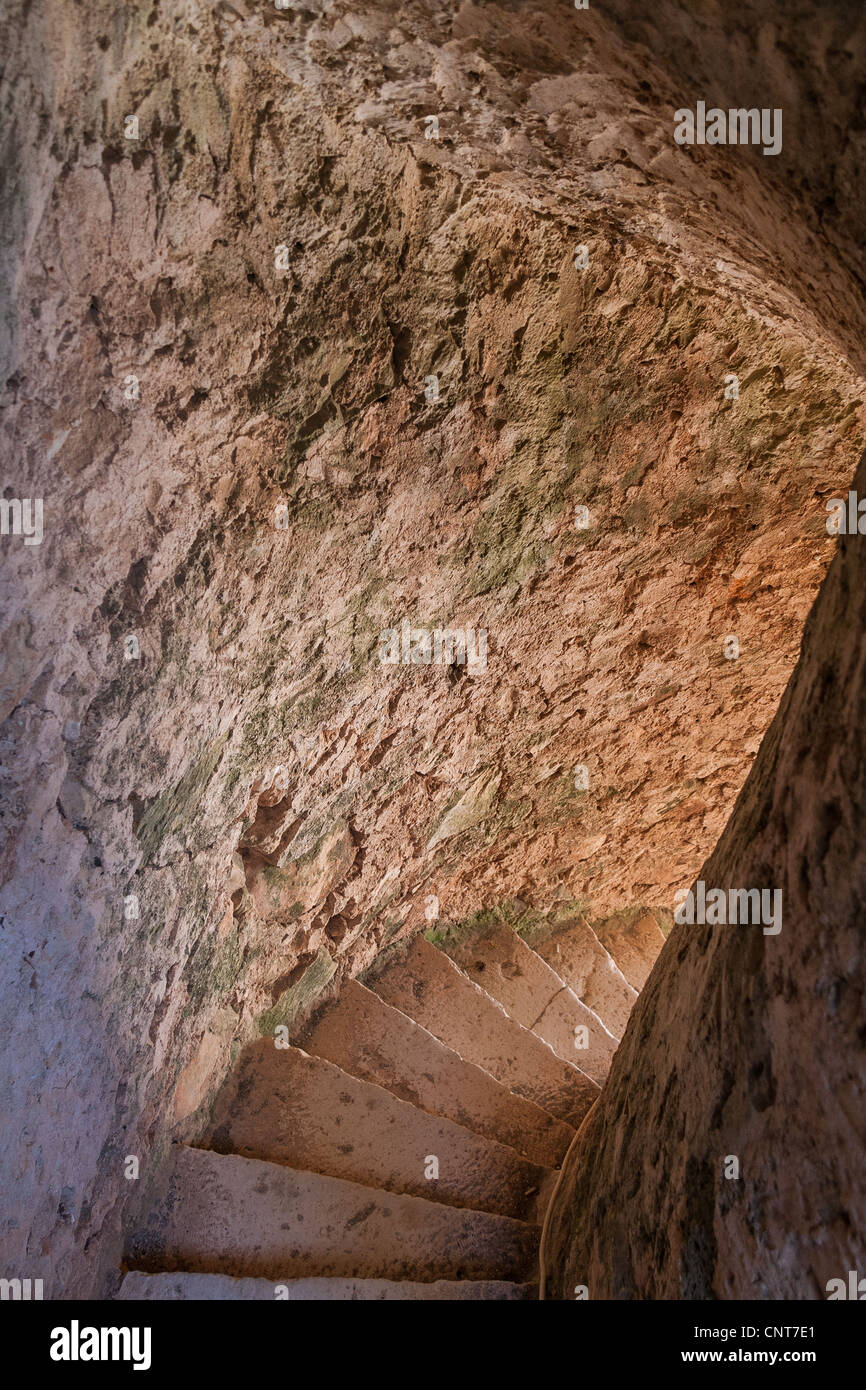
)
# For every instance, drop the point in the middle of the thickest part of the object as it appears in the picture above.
(406, 1142)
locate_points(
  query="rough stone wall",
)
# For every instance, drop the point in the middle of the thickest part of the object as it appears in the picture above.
(279, 803)
(748, 1045)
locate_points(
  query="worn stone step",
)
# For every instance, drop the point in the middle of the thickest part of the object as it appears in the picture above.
(502, 964)
(634, 939)
(223, 1214)
(285, 1106)
(574, 951)
(221, 1288)
(422, 982)
(368, 1038)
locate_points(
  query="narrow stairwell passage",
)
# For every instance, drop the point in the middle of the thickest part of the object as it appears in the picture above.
(406, 1144)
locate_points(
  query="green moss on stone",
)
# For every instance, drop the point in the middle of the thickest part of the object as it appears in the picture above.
(298, 997)
(176, 809)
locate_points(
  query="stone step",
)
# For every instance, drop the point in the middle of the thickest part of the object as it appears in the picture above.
(368, 1038)
(422, 982)
(221, 1288)
(285, 1106)
(574, 951)
(223, 1214)
(497, 960)
(634, 939)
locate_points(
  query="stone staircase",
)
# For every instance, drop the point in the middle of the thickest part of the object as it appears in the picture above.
(406, 1145)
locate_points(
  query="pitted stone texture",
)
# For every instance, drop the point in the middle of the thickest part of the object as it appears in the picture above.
(426, 985)
(574, 951)
(220, 1288)
(156, 258)
(534, 996)
(633, 939)
(366, 1037)
(228, 1215)
(286, 1106)
(745, 1044)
